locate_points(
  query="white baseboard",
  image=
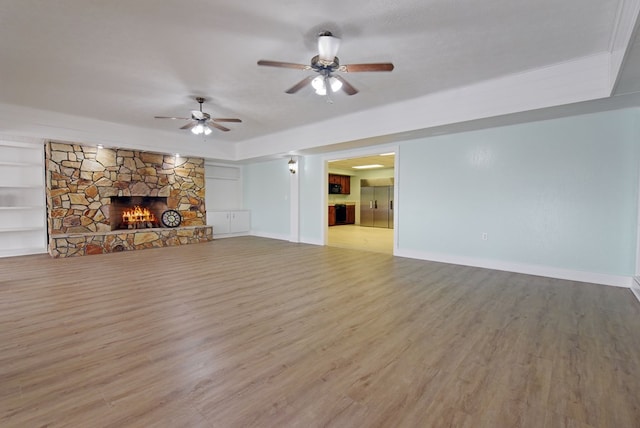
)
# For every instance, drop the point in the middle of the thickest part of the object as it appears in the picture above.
(277, 236)
(229, 235)
(547, 271)
(635, 287)
(305, 240)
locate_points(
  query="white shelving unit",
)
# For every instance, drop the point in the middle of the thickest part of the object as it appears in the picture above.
(224, 201)
(22, 199)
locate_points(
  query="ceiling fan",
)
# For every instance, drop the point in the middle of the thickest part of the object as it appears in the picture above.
(200, 122)
(326, 64)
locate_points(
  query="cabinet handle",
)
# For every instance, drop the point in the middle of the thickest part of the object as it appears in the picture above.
(370, 204)
(391, 205)
(376, 204)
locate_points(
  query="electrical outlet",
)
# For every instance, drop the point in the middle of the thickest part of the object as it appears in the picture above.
(485, 236)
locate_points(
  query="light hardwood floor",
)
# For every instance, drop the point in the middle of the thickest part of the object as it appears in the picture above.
(253, 332)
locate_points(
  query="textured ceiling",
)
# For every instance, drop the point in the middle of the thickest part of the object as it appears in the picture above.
(126, 61)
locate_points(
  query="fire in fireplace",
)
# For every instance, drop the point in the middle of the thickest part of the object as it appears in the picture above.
(139, 218)
(136, 212)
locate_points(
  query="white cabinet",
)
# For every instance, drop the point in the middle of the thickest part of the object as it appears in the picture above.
(229, 222)
(22, 199)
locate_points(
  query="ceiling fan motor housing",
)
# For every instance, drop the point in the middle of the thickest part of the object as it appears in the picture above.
(320, 65)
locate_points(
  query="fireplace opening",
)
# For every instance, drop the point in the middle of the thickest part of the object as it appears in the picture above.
(136, 212)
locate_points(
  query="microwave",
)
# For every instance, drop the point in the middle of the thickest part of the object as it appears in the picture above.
(335, 188)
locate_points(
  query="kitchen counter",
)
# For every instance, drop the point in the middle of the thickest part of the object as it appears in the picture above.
(348, 217)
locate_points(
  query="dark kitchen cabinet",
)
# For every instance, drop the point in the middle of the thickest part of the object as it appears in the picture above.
(351, 214)
(332, 215)
(343, 180)
(350, 217)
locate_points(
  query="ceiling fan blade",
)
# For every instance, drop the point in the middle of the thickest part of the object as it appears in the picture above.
(168, 117)
(220, 127)
(189, 125)
(346, 86)
(215, 119)
(352, 68)
(301, 84)
(284, 64)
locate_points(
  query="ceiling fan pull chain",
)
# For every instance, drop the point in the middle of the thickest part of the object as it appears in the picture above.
(327, 87)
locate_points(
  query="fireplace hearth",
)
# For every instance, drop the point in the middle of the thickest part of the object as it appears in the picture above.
(136, 212)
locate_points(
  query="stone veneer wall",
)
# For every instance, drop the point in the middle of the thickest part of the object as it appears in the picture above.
(81, 179)
(125, 240)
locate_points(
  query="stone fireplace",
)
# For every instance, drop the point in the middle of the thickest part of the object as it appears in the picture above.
(88, 189)
(136, 212)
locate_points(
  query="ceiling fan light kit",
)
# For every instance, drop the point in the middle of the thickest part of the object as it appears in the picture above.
(201, 129)
(319, 83)
(326, 63)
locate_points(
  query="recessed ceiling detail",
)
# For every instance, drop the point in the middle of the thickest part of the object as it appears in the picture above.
(452, 69)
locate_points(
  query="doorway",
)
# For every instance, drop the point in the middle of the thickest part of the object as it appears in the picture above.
(369, 197)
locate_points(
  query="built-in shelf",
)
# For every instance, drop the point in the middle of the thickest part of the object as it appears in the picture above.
(35, 207)
(20, 229)
(4, 163)
(22, 199)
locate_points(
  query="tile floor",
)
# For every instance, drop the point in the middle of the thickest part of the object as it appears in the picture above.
(372, 239)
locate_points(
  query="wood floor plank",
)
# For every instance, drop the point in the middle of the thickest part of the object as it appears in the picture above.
(251, 331)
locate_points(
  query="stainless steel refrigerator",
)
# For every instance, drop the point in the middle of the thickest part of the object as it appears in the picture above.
(376, 204)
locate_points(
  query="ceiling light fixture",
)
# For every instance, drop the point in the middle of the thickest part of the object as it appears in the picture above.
(328, 45)
(201, 128)
(387, 154)
(293, 166)
(368, 166)
(319, 84)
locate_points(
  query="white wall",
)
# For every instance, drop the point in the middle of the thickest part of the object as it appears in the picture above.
(266, 195)
(555, 198)
(313, 197)
(560, 194)
(223, 187)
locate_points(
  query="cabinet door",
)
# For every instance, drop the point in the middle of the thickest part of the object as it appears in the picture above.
(351, 214)
(240, 221)
(220, 220)
(334, 179)
(346, 184)
(332, 215)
